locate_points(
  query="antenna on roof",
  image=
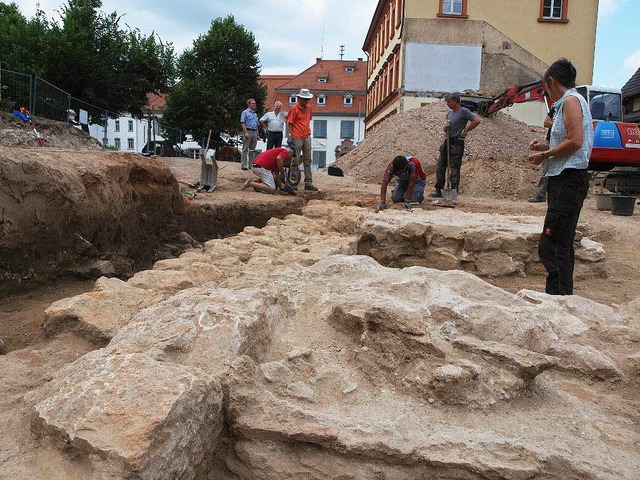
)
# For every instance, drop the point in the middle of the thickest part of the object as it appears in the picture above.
(341, 51)
(322, 42)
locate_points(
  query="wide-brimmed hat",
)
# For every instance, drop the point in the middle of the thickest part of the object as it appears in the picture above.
(305, 93)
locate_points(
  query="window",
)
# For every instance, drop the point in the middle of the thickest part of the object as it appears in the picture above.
(348, 99)
(131, 125)
(320, 129)
(322, 99)
(453, 8)
(130, 143)
(322, 79)
(117, 127)
(292, 99)
(117, 143)
(349, 69)
(346, 128)
(320, 158)
(553, 10)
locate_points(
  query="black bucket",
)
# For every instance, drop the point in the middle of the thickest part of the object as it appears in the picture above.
(622, 204)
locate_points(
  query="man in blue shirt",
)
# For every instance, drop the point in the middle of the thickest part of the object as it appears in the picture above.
(249, 121)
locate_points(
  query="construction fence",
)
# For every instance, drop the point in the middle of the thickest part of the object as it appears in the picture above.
(43, 99)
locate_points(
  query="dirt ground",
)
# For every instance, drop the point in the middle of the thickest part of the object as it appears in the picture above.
(496, 178)
(21, 314)
(492, 185)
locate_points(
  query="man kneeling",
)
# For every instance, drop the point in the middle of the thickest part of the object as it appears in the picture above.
(410, 183)
(268, 166)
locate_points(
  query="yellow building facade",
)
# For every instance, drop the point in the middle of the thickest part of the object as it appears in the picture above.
(419, 49)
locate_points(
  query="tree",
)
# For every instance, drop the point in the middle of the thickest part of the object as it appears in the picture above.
(218, 75)
(23, 43)
(95, 60)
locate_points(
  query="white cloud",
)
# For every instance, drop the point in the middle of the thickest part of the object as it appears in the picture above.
(632, 62)
(608, 8)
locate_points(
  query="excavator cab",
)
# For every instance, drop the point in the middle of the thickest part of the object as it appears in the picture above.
(605, 103)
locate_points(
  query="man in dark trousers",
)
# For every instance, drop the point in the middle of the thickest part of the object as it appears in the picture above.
(460, 121)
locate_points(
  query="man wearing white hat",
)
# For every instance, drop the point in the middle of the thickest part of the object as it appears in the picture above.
(299, 129)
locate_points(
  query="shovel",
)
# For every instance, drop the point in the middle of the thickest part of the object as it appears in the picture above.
(449, 193)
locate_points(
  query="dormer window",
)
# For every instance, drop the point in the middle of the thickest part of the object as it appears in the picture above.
(349, 69)
(293, 99)
(348, 99)
(322, 79)
(322, 99)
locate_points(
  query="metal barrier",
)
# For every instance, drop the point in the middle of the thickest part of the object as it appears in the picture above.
(46, 100)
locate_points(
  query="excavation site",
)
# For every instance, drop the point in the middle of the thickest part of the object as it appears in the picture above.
(151, 333)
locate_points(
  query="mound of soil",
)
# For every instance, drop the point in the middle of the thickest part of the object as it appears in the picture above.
(17, 132)
(495, 163)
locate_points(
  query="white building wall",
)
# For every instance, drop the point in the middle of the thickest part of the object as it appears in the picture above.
(138, 134)
(334, 139)
(442, 68)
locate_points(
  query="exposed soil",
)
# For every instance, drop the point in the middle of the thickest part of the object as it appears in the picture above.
(495, 178)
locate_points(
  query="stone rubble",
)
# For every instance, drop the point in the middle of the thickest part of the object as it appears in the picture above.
(282, 353)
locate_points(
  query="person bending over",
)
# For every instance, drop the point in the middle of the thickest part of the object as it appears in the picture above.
(268, 166)
(410, 184)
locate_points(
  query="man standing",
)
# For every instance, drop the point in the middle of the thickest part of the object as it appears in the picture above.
(298, 128)
(409, 185)
(460, 121)
(274, 122)
(249, 121)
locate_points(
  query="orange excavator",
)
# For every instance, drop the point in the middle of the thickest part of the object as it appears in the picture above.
(616, 146)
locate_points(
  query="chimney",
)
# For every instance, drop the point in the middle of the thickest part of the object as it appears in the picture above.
(359, 59)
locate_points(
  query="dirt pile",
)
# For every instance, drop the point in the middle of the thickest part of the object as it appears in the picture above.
(15, 131)
(494, 165)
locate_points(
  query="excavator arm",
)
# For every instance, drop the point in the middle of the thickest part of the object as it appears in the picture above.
(515, 94)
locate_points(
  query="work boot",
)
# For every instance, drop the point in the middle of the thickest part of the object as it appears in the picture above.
(311, 188)
(436, 194)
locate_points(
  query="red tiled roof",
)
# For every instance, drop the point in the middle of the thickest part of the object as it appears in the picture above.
(272, 82)
(156, 102)
(339, 82)
(337, 77)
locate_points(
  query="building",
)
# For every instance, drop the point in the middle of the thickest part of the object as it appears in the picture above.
(419, 49)
(338, 104)
(631, 98)
(131, 134)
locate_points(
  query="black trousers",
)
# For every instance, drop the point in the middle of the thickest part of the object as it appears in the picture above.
(456, 148)
(565, 195)
(274, 140)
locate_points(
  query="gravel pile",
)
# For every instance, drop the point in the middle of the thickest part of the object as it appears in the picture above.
(494, 165)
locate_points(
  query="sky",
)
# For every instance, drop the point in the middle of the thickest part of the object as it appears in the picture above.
(293, 33)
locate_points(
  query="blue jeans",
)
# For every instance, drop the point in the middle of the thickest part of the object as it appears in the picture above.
(401, 189)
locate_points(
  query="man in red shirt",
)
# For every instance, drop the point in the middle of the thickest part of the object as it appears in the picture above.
(299, 129)
(268, 166)
(410, 184)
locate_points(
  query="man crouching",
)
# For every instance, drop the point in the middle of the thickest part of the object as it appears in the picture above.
(410, 184)
(268, 166)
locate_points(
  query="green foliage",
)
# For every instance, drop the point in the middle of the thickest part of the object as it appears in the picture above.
(218, 75)
(23, 43)
(88, 55)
